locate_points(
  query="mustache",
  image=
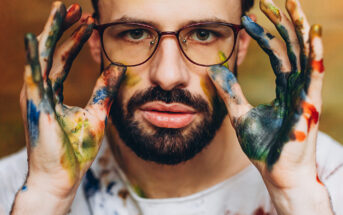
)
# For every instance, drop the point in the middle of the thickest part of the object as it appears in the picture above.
(175, 95)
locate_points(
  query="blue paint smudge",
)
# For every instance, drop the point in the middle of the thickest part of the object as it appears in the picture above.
(109, 188)
(33, 120)
(224, 77)
(100, 95)
(257, 32)
(24, 188)
(91, 184)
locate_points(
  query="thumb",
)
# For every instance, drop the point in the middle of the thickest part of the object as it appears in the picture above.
(105, 90)
(230, 91)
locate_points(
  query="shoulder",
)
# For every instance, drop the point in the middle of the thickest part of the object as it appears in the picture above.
(330, 168)
(13, 170)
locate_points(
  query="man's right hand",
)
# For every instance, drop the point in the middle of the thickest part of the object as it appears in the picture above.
(62, 141)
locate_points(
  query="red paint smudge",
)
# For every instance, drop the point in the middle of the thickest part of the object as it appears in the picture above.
(311, 114)
(319, 181)
(299, 136)
(318, 65)
(260, 211)
(72, 9)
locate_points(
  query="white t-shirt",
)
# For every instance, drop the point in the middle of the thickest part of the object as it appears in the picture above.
(105, 191)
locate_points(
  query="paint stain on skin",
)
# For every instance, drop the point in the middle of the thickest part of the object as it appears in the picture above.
(318, 66)
(33, 115)
(271, 11)
(131, 79)
(299, 136)
(316, 31)
(100, 95)
(68, 161)
(24, 188)
(222, 58)
(319, 181)
(311, 114)
(226, 79)
(138, 191)
(208, 88)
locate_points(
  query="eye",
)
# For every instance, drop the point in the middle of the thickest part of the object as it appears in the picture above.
(137, 34)
(202, 35)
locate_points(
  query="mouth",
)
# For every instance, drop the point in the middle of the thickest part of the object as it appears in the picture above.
(164, 115)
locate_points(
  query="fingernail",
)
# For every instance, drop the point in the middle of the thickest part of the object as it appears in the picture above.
(252, 28)
(291, 5)
(246, 19)
(90, 20)
(271, 11)
(224, 77)
(72, 8)
(86, 20)
(30, 43)
(316, 30)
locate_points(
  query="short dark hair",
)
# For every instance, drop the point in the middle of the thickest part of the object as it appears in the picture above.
(246, 6)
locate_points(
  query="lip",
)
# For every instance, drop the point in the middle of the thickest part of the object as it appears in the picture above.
(164, 115)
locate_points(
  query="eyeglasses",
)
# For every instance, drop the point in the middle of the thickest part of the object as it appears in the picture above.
(205, 44)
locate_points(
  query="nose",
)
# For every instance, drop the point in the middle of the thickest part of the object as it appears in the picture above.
(168, 68)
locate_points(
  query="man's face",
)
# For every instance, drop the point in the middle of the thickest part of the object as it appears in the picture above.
(167, 109)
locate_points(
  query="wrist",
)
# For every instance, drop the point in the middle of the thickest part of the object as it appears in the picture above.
(34, 198)
(308, 198)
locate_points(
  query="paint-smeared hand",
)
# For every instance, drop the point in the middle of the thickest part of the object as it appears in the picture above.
(62, 141)
(280, 138)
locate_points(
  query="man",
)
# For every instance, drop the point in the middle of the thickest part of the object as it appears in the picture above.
(180, 118)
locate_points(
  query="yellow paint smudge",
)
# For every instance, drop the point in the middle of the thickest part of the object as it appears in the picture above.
(207, 88)
(131, 79)
(271, 11)
(222, 58)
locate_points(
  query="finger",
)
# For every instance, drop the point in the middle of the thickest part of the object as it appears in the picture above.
(33, 77)
(230, 91)
(316, 67)
(23, 108)
(276, 51)
(65, 56)
(73, 15)
(34, 88)
(302, 29)
(104, 91)
(49, 37)
(286, 30)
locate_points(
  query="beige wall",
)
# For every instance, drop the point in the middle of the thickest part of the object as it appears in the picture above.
(18, 17)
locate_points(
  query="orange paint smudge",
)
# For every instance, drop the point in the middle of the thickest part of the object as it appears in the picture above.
(300, 136)
(72, 9)
(311, 114)
(319, 181)
(318, 65)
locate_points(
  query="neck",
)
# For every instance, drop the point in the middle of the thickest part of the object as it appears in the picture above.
(220, 160)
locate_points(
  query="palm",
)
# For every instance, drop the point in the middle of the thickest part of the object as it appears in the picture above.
(63, 140)
(283, 133)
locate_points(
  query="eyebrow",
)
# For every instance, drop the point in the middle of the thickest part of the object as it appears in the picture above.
(157, 25)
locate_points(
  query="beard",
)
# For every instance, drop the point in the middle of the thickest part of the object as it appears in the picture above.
(169, 146)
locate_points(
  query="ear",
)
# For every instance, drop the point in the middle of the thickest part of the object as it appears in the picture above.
(243, 43)
(94, 43)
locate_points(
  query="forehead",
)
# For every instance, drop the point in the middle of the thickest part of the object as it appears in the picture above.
(170, 14)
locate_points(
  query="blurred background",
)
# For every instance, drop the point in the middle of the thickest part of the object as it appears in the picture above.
(255, 75)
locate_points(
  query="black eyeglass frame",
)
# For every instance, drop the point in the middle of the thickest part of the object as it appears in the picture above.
(101, 28)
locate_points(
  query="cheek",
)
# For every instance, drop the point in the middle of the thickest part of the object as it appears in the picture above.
(131, 79)
(208, 88)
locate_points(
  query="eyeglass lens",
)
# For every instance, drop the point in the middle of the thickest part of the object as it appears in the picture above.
(132, 44)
